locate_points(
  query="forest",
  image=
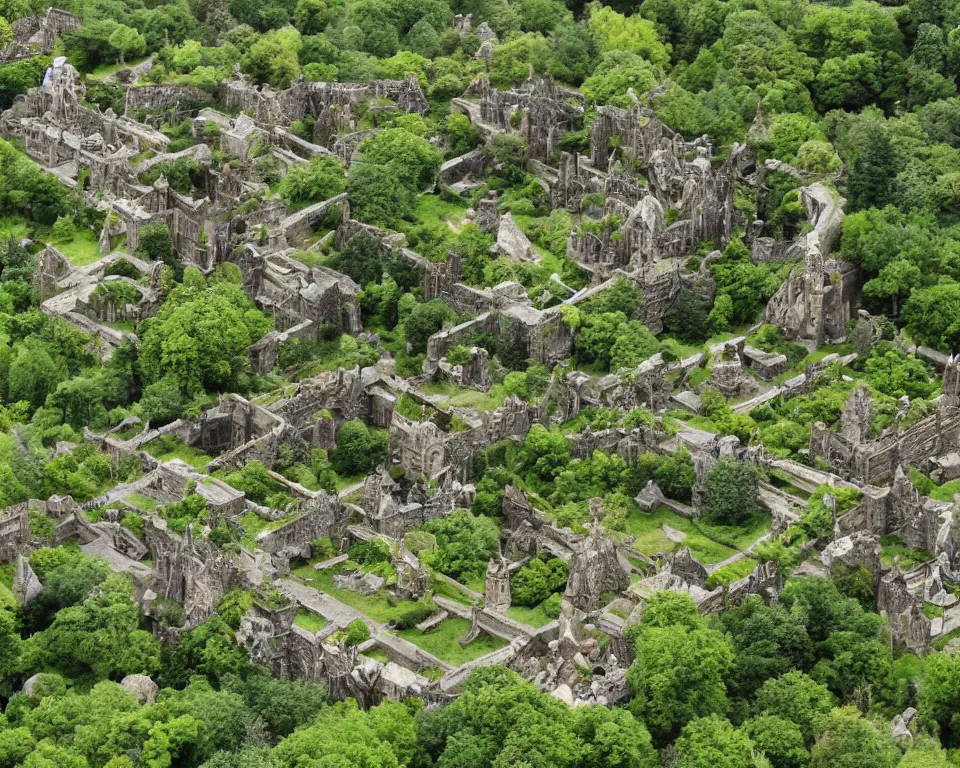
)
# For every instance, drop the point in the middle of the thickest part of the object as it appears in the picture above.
(479, 384)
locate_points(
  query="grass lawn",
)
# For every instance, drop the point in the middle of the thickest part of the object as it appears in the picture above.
(814, 357)
(681, 349)
(535, 616)
(192, 456)
(649, 537)
(377, 653)
(105, 70)
(254, 525)
(448, 590)
(465, 398)
(732, 572)
(82, 250)
(443, 642)
(433, 211)
(310, 621)
(943, 492)
(377, 607)
(142, 502)
(738, 536)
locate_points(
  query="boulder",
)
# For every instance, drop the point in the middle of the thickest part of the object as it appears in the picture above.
(141, 686)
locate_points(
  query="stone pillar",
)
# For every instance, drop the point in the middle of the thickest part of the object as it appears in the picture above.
(496, 590)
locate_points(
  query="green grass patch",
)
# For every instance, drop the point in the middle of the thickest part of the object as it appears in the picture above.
(142, 502)
(106, 70)
(82, 250)
(345, 482)
(446, 589)
(927, 487)
(380, 607)
(168, 448)
(443, 642)
(433, 210)
(892, 546)
(739, 537)
(535, 617)
(310, 621)
(732, 572)
(254, 525)
(454, 396)
(378, 654)
(941, 643)
(814, 357)
(649, 538)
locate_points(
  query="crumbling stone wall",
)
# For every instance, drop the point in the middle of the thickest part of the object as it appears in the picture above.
(163, 96)
(14, 531)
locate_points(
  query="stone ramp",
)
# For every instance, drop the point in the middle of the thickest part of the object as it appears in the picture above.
(329, 607)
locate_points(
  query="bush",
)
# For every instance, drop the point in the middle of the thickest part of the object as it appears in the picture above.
(63, 229)
(359, 449)
(551, 606)
(356, 632)
(730, 492)
(322, 548)
(540, 578)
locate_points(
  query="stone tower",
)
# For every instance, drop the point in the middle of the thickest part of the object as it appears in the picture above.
(496, 590)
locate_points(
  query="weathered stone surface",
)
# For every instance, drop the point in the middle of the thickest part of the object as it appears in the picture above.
(26, 584)
(141, 686)
(512, 242)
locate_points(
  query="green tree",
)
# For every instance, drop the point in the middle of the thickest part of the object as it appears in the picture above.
(312, 182)
(730, 492)
(424, 321)
(545, 453)
(779, 739)
(100, 637)
(310, 17)
(359, 449)
(846, 740)
(376, 196)
(412, 159)
(797, 698)
(712, 742)
(272, 59)
(201, 335)
(931, 316)
(873, 170)
(538, 579)
(33, 374)
(613, 32)
(127, 42)
(939, 698)
(894, 284)
(155, 243)
(465, 543)
(677, 676)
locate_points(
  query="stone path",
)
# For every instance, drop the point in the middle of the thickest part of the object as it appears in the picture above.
(342, 614)
(740, 555)
(329, 607)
